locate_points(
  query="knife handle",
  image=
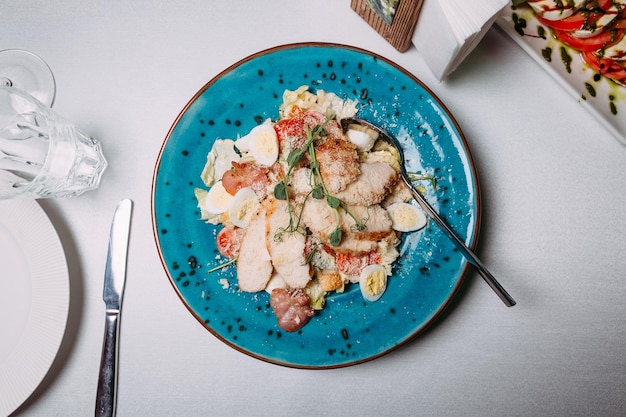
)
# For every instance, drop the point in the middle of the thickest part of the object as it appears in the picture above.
(106, 397)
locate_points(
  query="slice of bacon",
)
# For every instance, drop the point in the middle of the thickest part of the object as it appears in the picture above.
(245, 175)
(292, 309)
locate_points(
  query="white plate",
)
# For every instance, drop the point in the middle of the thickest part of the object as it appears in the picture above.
(604, 99)
(34, 299)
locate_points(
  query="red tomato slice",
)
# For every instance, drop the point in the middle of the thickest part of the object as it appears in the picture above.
(583, 18)
(229, 241)
(615, 70)
(599, 41)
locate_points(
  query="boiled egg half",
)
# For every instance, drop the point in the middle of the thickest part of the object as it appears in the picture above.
(373, 282)
(242, 206)
(406, 217)
(263, 143)
(218, 199)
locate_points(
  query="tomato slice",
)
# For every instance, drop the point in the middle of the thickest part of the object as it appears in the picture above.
(228, 241)
(615, 70)
(598, 41)
(585, 17)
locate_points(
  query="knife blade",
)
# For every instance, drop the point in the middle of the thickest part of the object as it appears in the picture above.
(114, 281)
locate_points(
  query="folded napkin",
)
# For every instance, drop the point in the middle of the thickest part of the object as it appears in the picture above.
(448, 30)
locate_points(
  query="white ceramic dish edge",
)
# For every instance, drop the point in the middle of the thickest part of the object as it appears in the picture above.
(573, 82)
(31, 351)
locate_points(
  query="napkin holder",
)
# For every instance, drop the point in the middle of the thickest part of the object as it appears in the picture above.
(443, 31)
(448, 30)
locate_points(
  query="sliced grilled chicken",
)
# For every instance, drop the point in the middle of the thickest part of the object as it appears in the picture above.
(371, 186)
(286, 249)
(339, 163)
(301, 181)
(320, 219)
(377, 227)
(254, 266)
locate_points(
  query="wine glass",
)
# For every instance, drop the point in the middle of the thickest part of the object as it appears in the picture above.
(42, 154)
(28, 72)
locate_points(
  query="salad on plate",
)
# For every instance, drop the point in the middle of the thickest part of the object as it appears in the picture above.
(307, 208)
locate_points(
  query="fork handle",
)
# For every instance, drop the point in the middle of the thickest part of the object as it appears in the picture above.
(467, 252)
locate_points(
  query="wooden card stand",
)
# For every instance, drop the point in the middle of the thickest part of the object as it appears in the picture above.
(400, 31)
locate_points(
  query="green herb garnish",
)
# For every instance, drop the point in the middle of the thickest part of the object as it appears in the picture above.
(415, 176)
(222, 265)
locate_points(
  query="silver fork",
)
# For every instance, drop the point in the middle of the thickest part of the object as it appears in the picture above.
(467, 252)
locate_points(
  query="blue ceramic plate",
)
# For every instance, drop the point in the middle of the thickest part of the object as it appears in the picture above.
(349, 330)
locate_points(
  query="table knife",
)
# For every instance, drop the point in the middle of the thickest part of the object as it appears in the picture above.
(114, 279)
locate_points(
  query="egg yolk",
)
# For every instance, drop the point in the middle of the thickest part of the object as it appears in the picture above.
(406, 217)
(246, 209)
(265, 148)
(375, 282)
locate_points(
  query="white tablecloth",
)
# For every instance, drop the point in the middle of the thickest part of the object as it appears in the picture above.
(553, 227)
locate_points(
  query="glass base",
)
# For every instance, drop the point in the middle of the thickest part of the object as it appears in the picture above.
(28, 72)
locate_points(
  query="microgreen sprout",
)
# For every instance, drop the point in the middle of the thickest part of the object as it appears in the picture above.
(222, 265)
(416, 176)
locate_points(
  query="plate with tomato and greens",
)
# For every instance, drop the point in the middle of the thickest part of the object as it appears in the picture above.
(582, 43)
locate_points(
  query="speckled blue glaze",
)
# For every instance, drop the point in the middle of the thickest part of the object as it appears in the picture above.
(349, 330)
